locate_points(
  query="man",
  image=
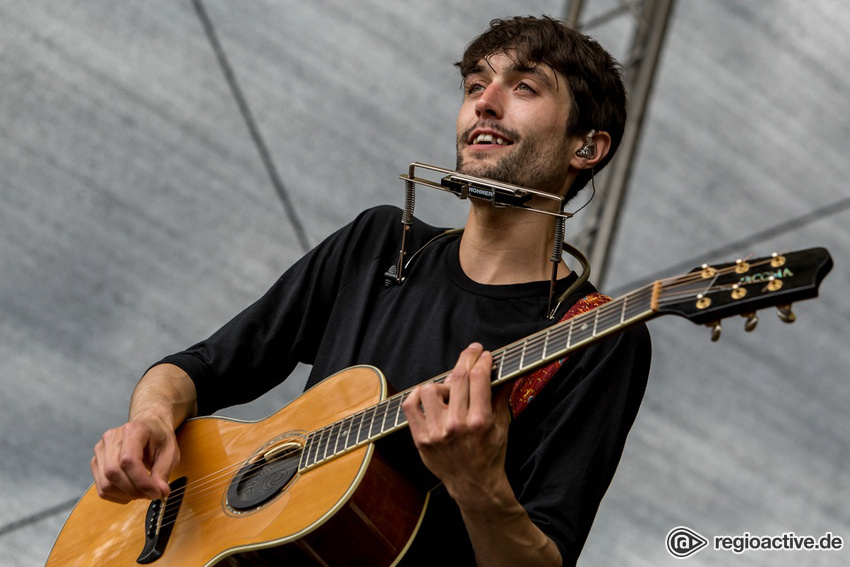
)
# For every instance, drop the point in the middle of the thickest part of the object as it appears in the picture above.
(521, 478)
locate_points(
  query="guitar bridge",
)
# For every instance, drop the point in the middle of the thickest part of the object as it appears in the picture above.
(159, 521)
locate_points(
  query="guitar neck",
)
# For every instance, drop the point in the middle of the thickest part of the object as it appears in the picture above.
(509, 363)
(559, 340)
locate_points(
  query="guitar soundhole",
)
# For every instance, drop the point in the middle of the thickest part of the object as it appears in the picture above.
(264, 478)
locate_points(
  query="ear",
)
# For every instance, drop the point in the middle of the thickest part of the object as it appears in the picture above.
(601, 145)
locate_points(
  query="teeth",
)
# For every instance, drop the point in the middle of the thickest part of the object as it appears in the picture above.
(489, 139)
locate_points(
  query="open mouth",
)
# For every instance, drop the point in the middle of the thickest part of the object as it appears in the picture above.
(488, 139)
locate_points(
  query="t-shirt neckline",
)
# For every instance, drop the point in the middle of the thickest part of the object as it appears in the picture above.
(498, 291)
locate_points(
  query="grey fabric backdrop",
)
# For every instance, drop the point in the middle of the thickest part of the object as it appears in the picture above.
(137, 214)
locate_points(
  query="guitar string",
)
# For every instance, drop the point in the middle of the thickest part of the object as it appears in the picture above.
(698, 274)
(380, 411)
(603, 314)
(696, 277)
(213, 481)
(540, 341)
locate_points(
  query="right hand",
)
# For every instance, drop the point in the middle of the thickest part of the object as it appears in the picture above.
(135, 460)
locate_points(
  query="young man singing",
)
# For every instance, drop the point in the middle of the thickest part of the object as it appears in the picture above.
(523, 469)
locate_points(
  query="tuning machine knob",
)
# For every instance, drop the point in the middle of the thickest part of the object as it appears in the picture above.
(751, 322)
(716, 329)
(786, 315)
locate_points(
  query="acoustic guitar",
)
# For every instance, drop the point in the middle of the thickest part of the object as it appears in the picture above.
(305, 486)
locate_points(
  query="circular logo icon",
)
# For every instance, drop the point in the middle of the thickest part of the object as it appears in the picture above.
(683, 542)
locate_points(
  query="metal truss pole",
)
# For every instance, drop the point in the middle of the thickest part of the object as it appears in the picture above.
(651, 18)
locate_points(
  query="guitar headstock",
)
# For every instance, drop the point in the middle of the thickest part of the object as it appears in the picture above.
(710, 293)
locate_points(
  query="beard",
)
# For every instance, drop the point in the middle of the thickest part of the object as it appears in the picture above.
(530, 163)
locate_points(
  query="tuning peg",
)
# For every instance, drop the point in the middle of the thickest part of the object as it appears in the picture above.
(752, 321)
(741, 266)
(716, 329)
(785, 314)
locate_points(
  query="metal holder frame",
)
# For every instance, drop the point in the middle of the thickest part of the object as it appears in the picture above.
(500, 195)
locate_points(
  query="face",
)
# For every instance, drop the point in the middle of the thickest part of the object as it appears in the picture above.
(512, 125)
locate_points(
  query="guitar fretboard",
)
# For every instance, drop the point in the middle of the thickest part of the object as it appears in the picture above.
(509, 362)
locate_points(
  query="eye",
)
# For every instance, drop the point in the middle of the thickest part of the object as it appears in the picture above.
(473, 88)
(525, 87)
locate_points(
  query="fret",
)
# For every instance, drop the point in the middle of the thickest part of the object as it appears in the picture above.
(336, 431)
(322, 449)
(569, 334)
(351, 434)
(317, 447)
(641, 304)
(536, 348)
(510, 361)
(305, 454)
(402, 418)
(333, 431)
(623, 310)
(358, 420)
(373, 423)
(397, 409)
(380, 422)
(596, 321)
(341, 443)
(578, 331)
(522, 355)
(506, 361)
(633, 307)
(606, 320)
(309, 456)
(387, 415)
(502, 363)
(368, 419)
(342, 435)
(546, 343)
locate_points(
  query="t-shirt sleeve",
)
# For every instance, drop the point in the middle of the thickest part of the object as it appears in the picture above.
(257, 349)
(569, 440)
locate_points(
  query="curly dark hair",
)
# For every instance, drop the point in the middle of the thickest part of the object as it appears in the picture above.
(594, 76)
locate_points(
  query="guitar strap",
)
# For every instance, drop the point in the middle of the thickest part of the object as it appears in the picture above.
(531, 384)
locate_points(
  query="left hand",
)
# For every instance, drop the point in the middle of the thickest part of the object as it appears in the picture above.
(461, 431)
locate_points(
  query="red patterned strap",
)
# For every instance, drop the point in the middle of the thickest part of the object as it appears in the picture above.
(530, 385)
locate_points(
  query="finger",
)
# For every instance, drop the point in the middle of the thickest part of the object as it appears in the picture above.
(480, 394)
(465, 362)
(111, 480)
(163, 463)
(105, 489)
(434, 399)
(502, 403)
(423, 422)
(139, 454)
(412, 407)
(459, 379)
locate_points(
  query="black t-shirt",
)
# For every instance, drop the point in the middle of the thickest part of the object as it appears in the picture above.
(333, 309)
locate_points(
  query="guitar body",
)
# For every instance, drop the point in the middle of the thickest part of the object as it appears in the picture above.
(352, 509)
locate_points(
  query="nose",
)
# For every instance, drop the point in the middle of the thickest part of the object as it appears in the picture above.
(490, 102)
